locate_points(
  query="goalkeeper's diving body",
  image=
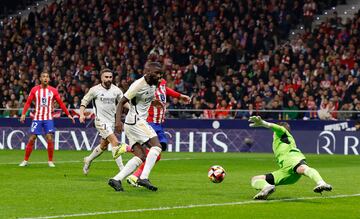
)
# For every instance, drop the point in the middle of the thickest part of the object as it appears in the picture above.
(291, 161)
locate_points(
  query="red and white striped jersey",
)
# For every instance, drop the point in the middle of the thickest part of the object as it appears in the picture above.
(157, 114)
(44, 102)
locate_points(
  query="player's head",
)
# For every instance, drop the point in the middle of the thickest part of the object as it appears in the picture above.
(153, 73)
(285, 125)
(44, 78)
(106, 76)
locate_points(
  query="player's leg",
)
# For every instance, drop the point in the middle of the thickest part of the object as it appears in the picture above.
(265, 183)
(50, 149)
(106, 131)
(35, 129)
(130, 166)
(28, 150)
(151, 158)
(98, 150)
(49, 129)
(313, 174)
(117, 148)
(132, 179)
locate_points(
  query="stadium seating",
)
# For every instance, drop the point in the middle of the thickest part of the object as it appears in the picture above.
(233, 55)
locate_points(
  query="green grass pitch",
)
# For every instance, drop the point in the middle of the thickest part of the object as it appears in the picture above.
(184, 190)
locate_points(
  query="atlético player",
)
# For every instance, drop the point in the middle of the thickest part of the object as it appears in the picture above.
(44, 96)
(156, 118)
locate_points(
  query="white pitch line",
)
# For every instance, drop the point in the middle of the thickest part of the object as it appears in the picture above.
(80, 161)
(194, 206)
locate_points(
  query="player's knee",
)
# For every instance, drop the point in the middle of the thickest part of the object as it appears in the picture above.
(301, 169)
(163, 146)
(157, 148)
(103, 147)
(142, 157)
(254, 178)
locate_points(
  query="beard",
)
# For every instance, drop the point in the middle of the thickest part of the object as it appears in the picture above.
(154, 81)
(107, 84)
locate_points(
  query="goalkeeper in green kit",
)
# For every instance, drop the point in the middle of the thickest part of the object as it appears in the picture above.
(290, 160)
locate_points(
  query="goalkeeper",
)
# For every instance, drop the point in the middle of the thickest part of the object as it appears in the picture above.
(290, 160)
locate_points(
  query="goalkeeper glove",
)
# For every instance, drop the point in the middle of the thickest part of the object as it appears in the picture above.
(256, 121)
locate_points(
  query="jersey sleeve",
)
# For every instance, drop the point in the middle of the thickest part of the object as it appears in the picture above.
(170, 92)
(88, 97)
(278, 129)
(61, 103)
(28, 101)
(134, 88)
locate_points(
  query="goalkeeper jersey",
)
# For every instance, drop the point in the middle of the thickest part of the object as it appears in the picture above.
(283, 143)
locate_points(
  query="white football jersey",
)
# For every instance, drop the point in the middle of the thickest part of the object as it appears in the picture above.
(140, 95)
(104, 102)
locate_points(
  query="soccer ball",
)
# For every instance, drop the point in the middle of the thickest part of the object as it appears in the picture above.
(216, 174)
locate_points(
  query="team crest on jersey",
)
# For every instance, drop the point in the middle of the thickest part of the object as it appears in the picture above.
(44, 101)
(162, 97)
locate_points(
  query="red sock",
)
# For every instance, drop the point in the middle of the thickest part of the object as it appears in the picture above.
(50, 150)
(141, 167)
(28, 149)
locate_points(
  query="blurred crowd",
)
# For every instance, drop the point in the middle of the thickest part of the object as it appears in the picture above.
(228, 55)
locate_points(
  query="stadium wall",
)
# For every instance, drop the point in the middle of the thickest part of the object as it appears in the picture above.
(319, 137)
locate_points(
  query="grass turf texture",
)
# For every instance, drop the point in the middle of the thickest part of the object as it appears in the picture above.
(38, 190)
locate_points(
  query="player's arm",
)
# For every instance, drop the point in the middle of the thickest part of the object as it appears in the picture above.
(119, 111)
(84, 102)
(62, 105)
(27, 105)
(170, 92)
(257, 121)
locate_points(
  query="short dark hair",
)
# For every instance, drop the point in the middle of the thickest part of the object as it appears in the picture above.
(105, 70)
(285, 125)
(153, 65)
(45, 72)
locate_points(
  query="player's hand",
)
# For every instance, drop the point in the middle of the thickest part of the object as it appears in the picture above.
(119, 127)
(157, 103)
(256, 121)
(185, 98)
(82, 118)
(22, 118)
(72, 119)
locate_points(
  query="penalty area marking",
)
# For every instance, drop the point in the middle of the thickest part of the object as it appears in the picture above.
(80, 161)
(194, 206)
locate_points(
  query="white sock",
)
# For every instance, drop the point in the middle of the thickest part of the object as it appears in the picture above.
(322, 182)
(150, 161)
(130, 167)
(119, 162)
(113, 149)
(95, 153)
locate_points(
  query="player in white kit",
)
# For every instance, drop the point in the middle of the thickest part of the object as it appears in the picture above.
(104, 97)
(140, 95)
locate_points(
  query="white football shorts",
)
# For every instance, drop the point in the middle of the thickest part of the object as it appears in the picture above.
(140, 132)
(104, 129)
